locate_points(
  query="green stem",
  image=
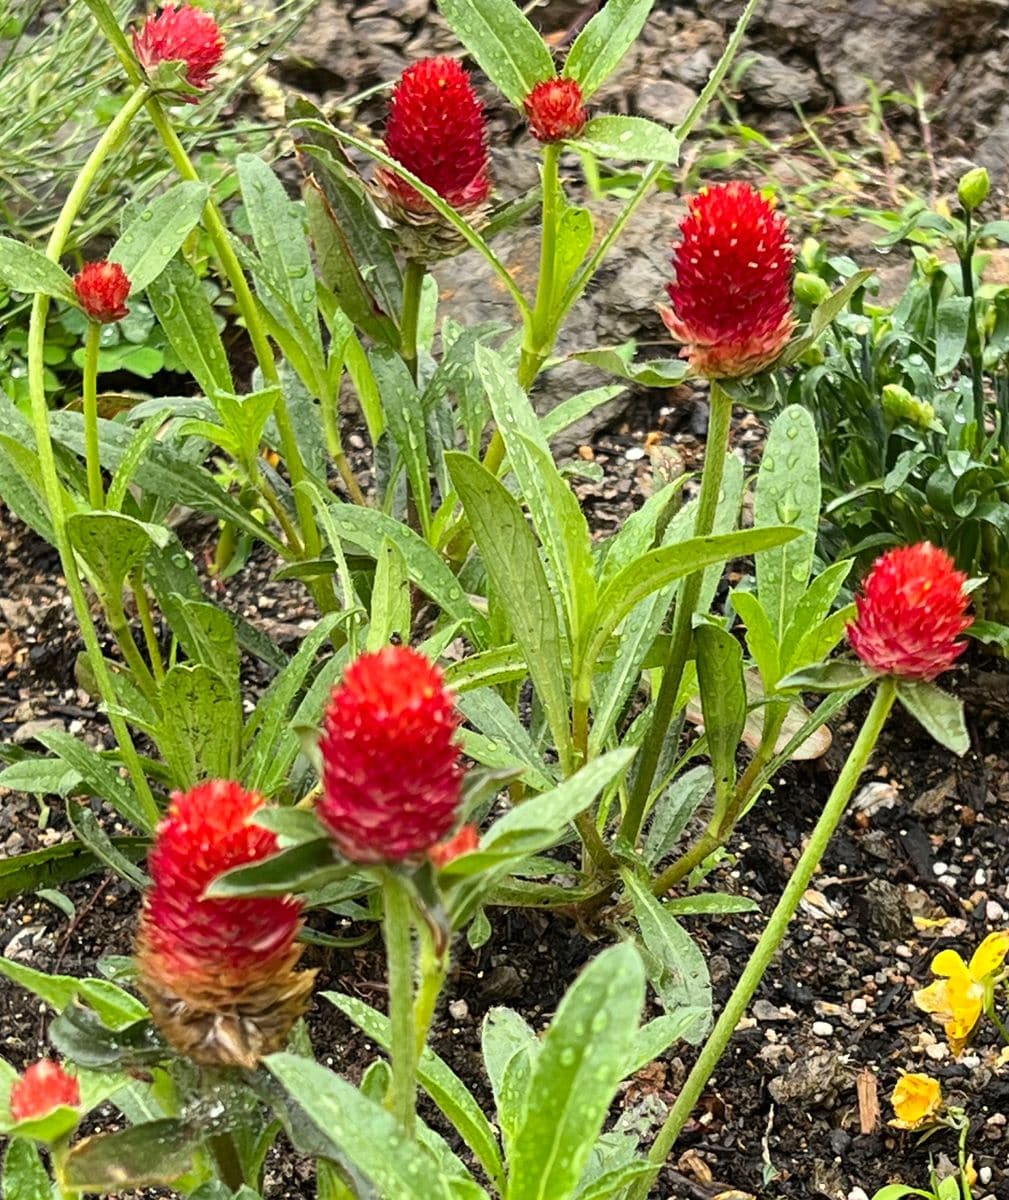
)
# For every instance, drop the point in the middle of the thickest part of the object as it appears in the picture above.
(147, 624)
(92, 454)
(121, 631)
(719, 425)
(399, 958)
(771, 938)
(106, 145)
(433, 969)
(229, 1165)
(413, 287)
(973, 336)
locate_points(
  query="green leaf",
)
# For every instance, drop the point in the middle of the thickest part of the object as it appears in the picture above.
(440, 1082)
(99, 774)
(24, 1177)
(827, 677)
(788, 493)
(279, 238)
(619, 361)
(405, 418)
(952, 322)
(293, 871)
(390, 599)
(812, 610)
(61, 863)
(576, 1076)
(657, 1035)
(365, 1134)
(113, 544)
(760, 639)
(513, 564)
(185, 315)
(24, 269)
(510, 1048)
(489, 713)
(115, 1007)
(201, 725)
(675, 966)
(723, 702)
(574, 237)
(54, 1126)
(709, 902)
(140, 443)
(85, 825)
(940, 713)
(673, 810)
(823, 317)
(506, 45)
(40, 777)
(651, 571)
(157, 1152)
(604, 41)
(613, 1182)
(155, 235)
(207, 634)
(628, 138)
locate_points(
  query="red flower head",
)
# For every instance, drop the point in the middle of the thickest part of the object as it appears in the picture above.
(912, 609)
(102, 288)
(187, 35)
(464, 842)
(43, 1087)
(555, 110)
(732, 297)
(391, 775)
(437, 130)
(218, 974)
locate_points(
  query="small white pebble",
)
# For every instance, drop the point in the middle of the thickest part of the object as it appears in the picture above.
(858, 1194)
(970, 1061)
(859, 1005)
(940, 868)
(458, 1010)
(634, 453)
(937, 1052)
(822, 1029)
(994, 911)
(980, 877)
(985, 1175)
(903, 951)
(949, 881)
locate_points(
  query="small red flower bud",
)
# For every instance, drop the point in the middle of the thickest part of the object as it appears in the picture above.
(391, 775)
(912, 608)
(43, 1087)
(555, 110)
(187, 35)
(218, 975)
(732, 296)
(464, 842)
(102, 288)
(437, 130)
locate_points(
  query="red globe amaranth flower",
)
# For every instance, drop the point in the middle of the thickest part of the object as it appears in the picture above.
(43, 1087)
(732, 296)
(187, 35)
(102, 288)
(218, 975)
(391, 776)
(912, 609)
(436, 129)
(464, 842)
(555, 110)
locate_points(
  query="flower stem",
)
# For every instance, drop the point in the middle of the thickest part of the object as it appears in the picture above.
(973, 336)
(92, 454)
(399, 957)
(106, 145)
(771, 938)
(719, 426)
(413, 287)
(147, 624)
(433, 969)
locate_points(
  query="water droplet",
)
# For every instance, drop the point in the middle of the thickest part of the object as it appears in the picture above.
(787, 512)
(147, 215)
(567, 1057)
(792, 461)
(792, 432)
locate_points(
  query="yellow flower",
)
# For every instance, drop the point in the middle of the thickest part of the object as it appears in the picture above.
(958, 997)
(916, 1101)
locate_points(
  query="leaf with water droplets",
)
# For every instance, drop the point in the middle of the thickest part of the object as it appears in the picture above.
(155, 235)
(628, 139)
(504, 43)
(25, 269)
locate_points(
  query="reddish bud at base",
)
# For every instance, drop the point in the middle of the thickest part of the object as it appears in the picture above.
(912, 608)
(464, 842)
(391, 775)
(102, 288)
(42, 1088)
(732, 296)
(218, 975)
(555, 110)
(187, 35)
(437, 131)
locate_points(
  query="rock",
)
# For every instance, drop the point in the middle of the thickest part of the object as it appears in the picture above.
(665, 100)
(30, 730)
(770, 83)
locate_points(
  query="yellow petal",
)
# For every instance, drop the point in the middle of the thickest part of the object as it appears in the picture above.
(916, 1099)
(948, 962)
(934, 998)
(990, 955)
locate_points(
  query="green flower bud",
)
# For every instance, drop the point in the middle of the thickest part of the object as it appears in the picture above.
(810, 289)
(899, 404)
(973, 188)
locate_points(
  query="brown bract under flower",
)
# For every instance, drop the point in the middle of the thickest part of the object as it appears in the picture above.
(732, 295)
(556, 110)
(911, 613)
(218, 975)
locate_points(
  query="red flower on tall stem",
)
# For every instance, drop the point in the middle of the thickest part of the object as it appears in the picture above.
(218, 974)
(732, 295)
(437, 130)
(391, 775)
(911, 611)
(556, 110)
(43, 1087)
(102, 289)
(187, 35)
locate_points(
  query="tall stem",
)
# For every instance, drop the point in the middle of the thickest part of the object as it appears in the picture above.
(771, 938)
(719, 426)
(92, 454)
(399, 958)
(106, 145)
(973, 337)
(413, 287)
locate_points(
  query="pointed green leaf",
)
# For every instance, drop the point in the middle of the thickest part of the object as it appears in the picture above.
(176, 294)
(201, 725)
(503, 41)
(155, 235)
(940, 713)
(157, 1152)
(604, 41)
(628, 138)
(24, 269)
